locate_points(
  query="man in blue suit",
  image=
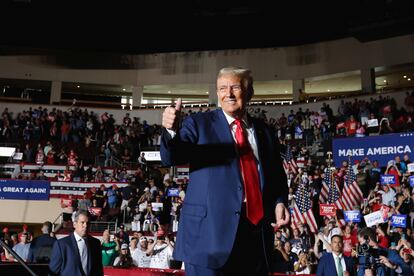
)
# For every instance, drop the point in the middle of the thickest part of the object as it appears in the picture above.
(336, 261)
(237, 184)
(78, 254)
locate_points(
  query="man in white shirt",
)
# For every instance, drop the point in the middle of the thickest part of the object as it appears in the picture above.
(336, 261)
(141, 255)
(161, 252)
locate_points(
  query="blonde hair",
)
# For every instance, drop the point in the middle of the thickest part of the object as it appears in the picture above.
(244, 74)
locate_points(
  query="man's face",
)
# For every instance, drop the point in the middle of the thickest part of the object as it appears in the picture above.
(232, 95)
(81, 226)
(337, 245)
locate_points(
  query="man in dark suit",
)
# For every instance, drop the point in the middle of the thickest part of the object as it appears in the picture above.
(78, 254)
(41, 247)
(237, 185)
(336, 261)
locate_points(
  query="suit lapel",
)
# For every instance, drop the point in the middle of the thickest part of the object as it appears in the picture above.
(76, 252)
(260, 142)
(224, 136)
(88, 244)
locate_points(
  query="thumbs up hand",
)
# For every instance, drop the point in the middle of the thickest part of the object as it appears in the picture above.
(172, 115)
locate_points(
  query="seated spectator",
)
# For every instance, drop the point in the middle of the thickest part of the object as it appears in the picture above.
(124, 260)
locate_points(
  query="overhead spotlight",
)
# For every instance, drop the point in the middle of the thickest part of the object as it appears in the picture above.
(314, 100)
(384, 80)
(329, 90)
(207, 92)
(78, 86)
(169, 92)
(123, 89)
(409, 79)
(285, 91)
(404, 76)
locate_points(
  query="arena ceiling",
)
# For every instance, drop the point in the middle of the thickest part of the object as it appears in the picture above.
(35, 26)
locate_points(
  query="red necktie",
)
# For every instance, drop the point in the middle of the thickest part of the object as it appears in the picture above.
(250, 176)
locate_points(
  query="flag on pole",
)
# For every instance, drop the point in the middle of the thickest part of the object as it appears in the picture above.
(351, 194)
(289, 162)
(302, 210)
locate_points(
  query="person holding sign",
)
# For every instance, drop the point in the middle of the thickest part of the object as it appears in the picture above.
(237, 188)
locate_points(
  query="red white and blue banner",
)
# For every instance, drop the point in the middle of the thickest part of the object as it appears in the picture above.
(61, 189)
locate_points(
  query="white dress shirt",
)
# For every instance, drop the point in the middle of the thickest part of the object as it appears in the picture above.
(81, 242)
(342, 262)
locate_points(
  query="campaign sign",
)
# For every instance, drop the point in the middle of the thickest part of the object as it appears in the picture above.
(374, 218)
(410, 167)
(382, 147)
(24, 189)
(399, 221)
(388, 179)
(411, 180)
(352, 216)
(173, 192)
(327, 209)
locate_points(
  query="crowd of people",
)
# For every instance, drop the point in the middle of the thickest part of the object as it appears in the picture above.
(153, 198)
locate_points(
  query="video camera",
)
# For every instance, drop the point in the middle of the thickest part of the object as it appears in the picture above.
(372, 255)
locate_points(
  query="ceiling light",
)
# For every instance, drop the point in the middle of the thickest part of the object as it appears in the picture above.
(409, 79)
(169, 92)
(207, 92)
(123, 89)
(285, 91)
(78, 86)
(329, 90)
(385, 80)
(404, 76)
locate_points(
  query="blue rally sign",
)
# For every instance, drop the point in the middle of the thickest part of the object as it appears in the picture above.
(411, 180)
(399, 221)
(352, 216)
(173, 192)
(388, 179)
(24, 189)
(382, 148)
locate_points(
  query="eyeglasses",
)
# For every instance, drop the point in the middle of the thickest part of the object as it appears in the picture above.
(235, 88)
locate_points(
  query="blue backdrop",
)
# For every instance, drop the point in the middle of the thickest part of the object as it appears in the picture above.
(382, 148)
(24, 189)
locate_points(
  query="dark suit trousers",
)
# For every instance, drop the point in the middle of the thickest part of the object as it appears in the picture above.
(246, 258)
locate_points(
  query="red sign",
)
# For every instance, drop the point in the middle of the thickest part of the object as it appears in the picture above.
(95, 211)
(327, 209)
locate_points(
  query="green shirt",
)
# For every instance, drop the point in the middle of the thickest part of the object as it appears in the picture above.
(109, 253)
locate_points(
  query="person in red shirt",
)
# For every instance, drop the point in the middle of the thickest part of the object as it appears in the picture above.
(383, 240)
(351, 126)
(350, 240)
(392, 169)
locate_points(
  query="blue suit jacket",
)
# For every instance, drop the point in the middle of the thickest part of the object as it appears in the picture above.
(326, 265)
(211, 211)
(65, 259)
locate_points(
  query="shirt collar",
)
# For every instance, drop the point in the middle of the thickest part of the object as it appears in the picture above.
(231, 120)
(77, 237)
(338, 256)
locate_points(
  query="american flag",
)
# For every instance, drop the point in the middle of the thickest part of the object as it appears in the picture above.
(330, 193)
(326, 185)
(334, 195)
(289, 161)
(351, 194)
(302, 210)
